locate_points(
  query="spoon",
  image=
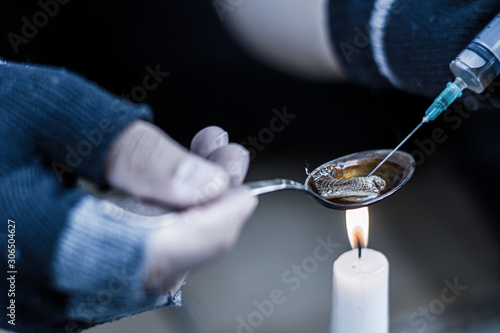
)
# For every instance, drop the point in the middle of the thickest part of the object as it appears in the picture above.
(396, 171)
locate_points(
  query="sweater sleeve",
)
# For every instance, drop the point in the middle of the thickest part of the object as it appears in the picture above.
(62, 117)
(50, 117)
(99, 264)
(406, 44)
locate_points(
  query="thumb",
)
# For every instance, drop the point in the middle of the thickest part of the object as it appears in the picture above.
(146, 162)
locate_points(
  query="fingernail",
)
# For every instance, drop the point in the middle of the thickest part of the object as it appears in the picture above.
(237, 168)
(222, 139)
(253, 200)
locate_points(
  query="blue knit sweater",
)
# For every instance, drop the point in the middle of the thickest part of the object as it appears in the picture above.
(73, 266)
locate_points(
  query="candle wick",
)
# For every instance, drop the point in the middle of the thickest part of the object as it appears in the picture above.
(358, 244)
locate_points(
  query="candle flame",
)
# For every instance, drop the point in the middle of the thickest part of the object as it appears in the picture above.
(358, 225)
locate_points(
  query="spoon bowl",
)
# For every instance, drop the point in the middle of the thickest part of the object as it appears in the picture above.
(396, 171)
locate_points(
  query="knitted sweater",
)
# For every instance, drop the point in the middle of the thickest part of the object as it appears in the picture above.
(72, 265)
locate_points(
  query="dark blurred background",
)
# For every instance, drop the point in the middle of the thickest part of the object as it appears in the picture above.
(212, 81)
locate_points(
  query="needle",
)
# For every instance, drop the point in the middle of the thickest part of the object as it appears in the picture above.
(441, 103)
(399, 146)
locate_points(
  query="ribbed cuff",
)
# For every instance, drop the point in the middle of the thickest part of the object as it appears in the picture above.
(99, 264)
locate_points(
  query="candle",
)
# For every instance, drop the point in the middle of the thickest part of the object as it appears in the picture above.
(360, 283)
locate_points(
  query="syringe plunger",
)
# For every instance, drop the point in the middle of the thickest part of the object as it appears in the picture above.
(479, 63)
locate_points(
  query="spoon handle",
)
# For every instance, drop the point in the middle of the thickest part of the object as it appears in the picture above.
(271, 185)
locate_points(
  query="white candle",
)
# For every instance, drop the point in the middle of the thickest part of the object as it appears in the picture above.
(360, 284)
(360, 293)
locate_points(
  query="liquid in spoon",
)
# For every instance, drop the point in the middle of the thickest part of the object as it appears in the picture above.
(334, 183)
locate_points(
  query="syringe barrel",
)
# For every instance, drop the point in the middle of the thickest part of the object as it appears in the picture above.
(479, 63)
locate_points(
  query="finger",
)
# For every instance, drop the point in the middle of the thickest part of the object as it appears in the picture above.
(212, 230)
(208, 140)
(234, 159)
(205, 234)
(146, 162)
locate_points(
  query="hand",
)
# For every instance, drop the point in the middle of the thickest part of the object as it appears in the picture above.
(60, 127)
(144, 161)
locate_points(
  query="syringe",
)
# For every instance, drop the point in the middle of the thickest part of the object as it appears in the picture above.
(474, 68)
